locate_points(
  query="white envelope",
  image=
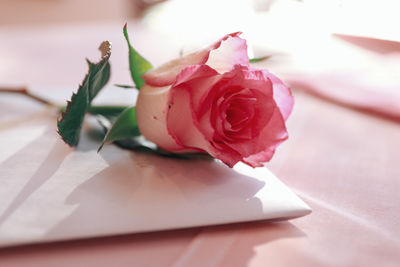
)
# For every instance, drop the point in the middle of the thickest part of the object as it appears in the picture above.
(50, 192)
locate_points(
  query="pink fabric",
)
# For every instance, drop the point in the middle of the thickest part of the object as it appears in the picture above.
(360, 90)
(353, 96)
(343, 163)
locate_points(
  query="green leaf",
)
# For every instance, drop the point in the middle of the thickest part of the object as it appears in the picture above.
(103, 110)
(106, 110)
(258, 59)
(125, 86)
(124, 127)
(70, 123)
(138, 65)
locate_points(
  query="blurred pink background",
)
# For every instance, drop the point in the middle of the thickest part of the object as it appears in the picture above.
(342, 60)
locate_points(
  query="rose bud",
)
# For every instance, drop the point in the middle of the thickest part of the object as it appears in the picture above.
(213, 101)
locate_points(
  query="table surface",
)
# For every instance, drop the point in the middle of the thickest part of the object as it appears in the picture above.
(343, 162)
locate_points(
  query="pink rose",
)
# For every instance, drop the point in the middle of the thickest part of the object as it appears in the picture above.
(213, 101)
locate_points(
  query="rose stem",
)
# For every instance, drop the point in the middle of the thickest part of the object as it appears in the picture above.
(25, 92)
(108, 110)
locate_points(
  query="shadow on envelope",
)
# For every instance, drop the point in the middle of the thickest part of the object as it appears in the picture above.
(144, 192)
(65, 194)
(44, 172)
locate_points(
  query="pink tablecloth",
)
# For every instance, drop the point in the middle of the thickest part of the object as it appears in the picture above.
(342, 162)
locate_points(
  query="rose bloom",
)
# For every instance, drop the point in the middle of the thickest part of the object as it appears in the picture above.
(213, 101)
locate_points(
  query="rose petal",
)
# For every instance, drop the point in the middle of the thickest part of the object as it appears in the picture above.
(258, 159)
(282, 95)
(227, 155)
(273, 134)
(235, 112)
(270, 126)
(234, 52)
(180, 123)
(231, 52)
(240, 77)
(181, 119)
(166, 73)
(151, 112)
